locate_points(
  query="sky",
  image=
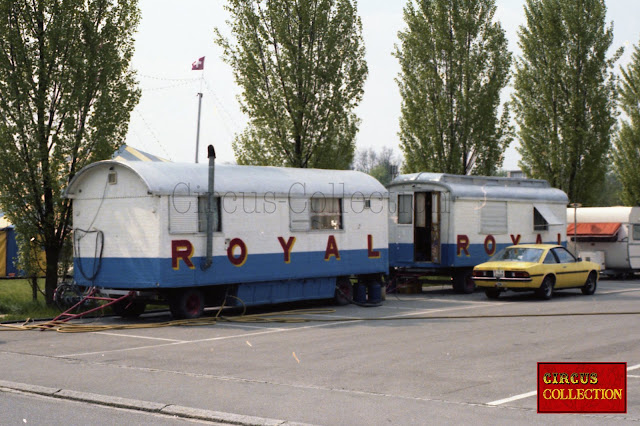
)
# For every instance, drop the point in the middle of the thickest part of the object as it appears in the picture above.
(172, 35)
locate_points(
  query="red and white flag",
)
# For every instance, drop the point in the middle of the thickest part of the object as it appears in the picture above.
(198, 65)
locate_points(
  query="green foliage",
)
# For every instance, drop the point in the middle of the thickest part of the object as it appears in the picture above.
(16, 302)
(626, 152)
(66, 92)
(610, 194)
(564, 99)
(301, 68)
(454, 63)
(379, 165)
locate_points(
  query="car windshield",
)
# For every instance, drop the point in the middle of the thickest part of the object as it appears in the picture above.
(518, 254)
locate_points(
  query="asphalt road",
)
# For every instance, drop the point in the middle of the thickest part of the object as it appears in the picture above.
(435, 357)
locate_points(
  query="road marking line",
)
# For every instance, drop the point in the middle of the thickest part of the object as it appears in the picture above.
(268, 331)
(633, 367)
(431, 311)
(619, 291)
(243, 325)
(513, 398)
(435, 299)
(631, 375)
(172, 344)
(141, 337)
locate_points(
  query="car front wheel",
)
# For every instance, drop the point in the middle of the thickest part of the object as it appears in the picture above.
(546, 289)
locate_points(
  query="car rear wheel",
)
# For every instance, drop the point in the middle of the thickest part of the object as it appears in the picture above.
(492, 293)
(590, 285)
(546, 289)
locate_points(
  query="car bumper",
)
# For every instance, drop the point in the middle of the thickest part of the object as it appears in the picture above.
(507, 283)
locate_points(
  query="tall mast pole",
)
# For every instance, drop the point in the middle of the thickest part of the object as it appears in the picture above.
(199, 66)
(198, 131)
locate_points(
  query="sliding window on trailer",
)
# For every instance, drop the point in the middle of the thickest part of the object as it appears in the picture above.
(315, 214)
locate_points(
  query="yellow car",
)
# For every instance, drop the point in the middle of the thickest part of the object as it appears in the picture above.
(542, 268)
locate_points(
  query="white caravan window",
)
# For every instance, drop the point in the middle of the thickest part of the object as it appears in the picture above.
(183, 215)
(326, 213)
(493, 218)
(543, 216)
(636, 232)
(405, 209)
(299, 214)
(539, 222)
(202, 214)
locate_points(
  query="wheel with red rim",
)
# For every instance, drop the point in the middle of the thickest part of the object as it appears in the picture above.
(187, 304)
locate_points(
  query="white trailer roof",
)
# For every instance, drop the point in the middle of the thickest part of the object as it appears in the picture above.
(617, 214)
(484, 187)
(170, 179)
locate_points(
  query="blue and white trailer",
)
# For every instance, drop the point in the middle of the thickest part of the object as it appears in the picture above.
(277, 234)
(444, 225)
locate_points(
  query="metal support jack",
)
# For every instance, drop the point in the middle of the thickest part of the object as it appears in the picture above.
(92, 294)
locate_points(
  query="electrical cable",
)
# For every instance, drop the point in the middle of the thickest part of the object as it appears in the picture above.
(98, 250)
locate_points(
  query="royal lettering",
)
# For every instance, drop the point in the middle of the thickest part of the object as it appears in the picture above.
(287, 247)
(181, 250)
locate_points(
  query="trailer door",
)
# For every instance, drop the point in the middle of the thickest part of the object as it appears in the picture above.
(426, 231)
(634, 246)
(435, 227)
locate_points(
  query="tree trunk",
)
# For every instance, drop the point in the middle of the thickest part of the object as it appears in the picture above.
(34, 287)
(51, 278)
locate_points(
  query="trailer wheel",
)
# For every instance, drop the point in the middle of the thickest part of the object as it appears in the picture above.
(344, 291)
(128, 308)
(590, 285)
(546, 288)
(463, 282)
(187, 304)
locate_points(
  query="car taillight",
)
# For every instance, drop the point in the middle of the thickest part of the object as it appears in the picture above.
(520, 274)
(482, 273)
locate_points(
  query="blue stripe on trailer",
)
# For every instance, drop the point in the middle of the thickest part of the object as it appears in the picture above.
(261, 293)
(148, 273)
(401, 255)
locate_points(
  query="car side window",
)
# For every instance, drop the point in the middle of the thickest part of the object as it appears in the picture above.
(550, 258)
(563, 255)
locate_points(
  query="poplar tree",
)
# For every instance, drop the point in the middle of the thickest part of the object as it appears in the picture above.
(454, 63)
(66, 92)
(301, 67)
(626, 153)
(564, 99)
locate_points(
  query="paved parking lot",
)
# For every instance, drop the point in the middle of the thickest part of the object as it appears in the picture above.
(435, 357)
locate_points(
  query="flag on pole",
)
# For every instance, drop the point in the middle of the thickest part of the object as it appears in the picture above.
(198, 65)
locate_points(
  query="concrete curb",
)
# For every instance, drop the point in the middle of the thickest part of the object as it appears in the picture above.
(153, 407)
